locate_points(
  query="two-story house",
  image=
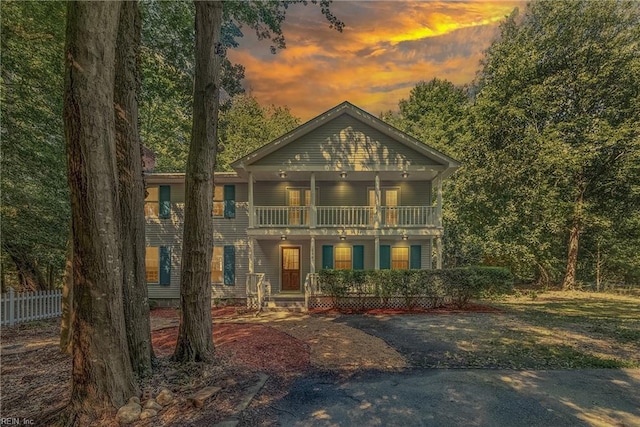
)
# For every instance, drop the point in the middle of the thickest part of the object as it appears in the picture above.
(344, 190)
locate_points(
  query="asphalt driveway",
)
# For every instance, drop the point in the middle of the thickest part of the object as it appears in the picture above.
(421, 396)
(446, 397)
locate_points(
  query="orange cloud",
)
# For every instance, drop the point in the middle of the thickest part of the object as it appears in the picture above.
(384, 51)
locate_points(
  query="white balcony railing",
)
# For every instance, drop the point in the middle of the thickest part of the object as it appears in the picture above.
(345, 216)
(408, 216)
(282, 216)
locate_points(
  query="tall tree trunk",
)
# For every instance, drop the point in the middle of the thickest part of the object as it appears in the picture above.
(131, 189)
(102, 377)
(30, 276)
(195, 342)
(66, 324)
(569, 281)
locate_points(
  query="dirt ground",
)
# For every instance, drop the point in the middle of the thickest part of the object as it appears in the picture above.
(35, 374)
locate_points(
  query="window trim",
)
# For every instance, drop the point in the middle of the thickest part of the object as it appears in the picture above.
(348, 259)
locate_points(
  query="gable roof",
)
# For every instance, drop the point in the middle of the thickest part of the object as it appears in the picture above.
(362, 116)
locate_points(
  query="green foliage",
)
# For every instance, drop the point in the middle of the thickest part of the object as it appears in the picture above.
(245, 126)
(34, 203)
(551, 139)
(457, 284)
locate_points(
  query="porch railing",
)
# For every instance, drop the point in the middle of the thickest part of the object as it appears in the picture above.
(282, 216)
(257, 291)
(345, 216)
(408, 216)
(311, 288)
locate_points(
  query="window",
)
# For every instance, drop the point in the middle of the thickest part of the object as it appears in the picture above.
(342, 259)
(298, 215)
(153, 264)
(400, 258)
(152, 202)
(389, 200)
(218, 201)
(216, 265)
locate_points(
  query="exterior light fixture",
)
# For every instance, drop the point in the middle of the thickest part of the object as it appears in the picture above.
(283, 174)
(343, 237)
(405, 174)
(283, 237)
(343, 174)
(405, 237)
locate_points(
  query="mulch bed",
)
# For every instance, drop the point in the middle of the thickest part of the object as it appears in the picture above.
(255, 347)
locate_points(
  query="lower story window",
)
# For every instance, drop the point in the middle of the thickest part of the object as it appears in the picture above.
(342, 259)
(400, 258)
(153, 264)
(217, 265)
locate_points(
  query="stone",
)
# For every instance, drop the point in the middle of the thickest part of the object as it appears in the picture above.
(134, 399)
(152, 404)
(129, 413)
(148, 413)
(201, 396)
(165, 397)
(147, 394)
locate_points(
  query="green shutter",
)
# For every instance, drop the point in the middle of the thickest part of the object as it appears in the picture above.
(165, 265)
(165, 201)
(415, 258)
(358, 257)
(229, 201)
(327, 256)
(385, 257)
(229, 265)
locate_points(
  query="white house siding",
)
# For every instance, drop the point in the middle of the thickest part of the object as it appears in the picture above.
(233, 231)
(341, 193)
(343, 141)
(267, 260)
(168, 233)
(227, 231)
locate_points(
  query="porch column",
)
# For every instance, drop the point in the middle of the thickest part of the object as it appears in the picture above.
(251, 265)
(376, 209)
(439, 252)
(314, 211)
(376, 262)
(251, 213)
(312, 252)
(439, 207)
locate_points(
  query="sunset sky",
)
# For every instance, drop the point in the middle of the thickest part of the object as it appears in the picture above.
(384, 50)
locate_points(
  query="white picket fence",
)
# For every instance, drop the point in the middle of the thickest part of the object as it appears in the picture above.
(18, 307)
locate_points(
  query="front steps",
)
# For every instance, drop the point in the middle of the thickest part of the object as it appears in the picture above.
(286, 302)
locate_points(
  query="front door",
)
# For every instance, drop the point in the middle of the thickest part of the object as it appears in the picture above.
(291, 269)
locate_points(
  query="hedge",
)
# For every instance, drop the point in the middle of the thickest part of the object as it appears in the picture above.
(457, 284)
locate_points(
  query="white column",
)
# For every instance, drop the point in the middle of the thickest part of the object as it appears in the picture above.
(439, 207)
(376, 264)
(251, 266)
(314, 211)
(251, 213)
(312, 252)
(439, 252)
(376, 209)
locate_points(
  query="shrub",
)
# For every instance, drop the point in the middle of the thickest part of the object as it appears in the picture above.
(458, 284)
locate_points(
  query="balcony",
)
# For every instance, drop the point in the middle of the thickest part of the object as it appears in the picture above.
(344, 216)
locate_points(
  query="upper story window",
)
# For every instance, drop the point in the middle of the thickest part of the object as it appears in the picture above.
(224, 201)
(152, 202)
(218, 201)
(157, 204)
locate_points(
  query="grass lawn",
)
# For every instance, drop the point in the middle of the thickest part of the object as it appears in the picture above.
(567, 329)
